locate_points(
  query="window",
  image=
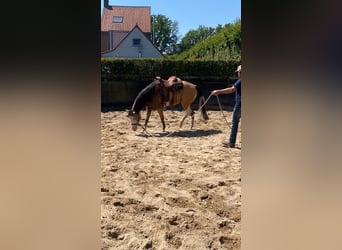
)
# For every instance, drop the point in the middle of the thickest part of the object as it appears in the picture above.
(136, 41)
(117, 19)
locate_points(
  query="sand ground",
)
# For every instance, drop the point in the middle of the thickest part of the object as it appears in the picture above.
(181, 191)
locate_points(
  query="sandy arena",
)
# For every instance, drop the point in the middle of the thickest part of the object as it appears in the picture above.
(181, 191)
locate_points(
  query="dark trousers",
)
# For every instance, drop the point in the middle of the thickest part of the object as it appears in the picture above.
(235, 124)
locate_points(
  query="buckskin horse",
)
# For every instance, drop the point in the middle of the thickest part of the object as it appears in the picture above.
(168, 92)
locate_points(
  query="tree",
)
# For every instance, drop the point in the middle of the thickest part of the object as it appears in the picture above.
(164, 34)
(195, 36)
(224, 44)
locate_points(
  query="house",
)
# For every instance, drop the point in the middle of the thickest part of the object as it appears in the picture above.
(126, 32)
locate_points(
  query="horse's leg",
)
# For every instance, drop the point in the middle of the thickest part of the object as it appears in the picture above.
(161, 115)
(148, 114)
(192, 118)
(188, 112)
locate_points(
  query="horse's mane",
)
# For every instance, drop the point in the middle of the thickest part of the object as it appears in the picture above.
(145, 95)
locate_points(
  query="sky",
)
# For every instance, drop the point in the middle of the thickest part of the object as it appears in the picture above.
(190, 14)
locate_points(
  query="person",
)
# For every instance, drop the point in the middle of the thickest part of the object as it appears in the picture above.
(230, 143)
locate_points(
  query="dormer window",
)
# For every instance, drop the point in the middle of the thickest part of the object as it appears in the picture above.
(136, 41)
(117, 19)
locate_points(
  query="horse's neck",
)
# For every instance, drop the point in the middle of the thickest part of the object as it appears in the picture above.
(140, 101)
(135, 107)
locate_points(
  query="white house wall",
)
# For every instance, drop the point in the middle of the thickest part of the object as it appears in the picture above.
(127, 50)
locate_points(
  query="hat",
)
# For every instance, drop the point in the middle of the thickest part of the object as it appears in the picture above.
(238, 69)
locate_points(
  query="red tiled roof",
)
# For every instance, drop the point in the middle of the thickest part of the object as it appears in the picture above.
(131, 15)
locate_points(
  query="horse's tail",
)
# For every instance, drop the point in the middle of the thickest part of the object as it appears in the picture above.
(201, 105)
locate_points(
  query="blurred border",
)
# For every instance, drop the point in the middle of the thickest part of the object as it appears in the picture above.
(291, 131)
(50, 125)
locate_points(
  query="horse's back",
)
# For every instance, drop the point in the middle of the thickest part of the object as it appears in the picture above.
(188, 84)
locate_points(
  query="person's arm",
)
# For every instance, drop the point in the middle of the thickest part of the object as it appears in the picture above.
(223, 91)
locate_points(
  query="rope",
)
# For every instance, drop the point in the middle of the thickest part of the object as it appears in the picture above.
(199, 109)
(218, 100)
(149, 134)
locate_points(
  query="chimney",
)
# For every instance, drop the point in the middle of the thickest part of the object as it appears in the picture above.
(106, 4)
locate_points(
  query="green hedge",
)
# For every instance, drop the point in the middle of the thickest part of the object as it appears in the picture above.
(146, 69)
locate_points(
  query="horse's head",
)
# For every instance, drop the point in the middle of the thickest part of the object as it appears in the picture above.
(135, 119)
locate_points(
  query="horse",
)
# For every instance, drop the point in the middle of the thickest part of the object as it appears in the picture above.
(171, 92)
